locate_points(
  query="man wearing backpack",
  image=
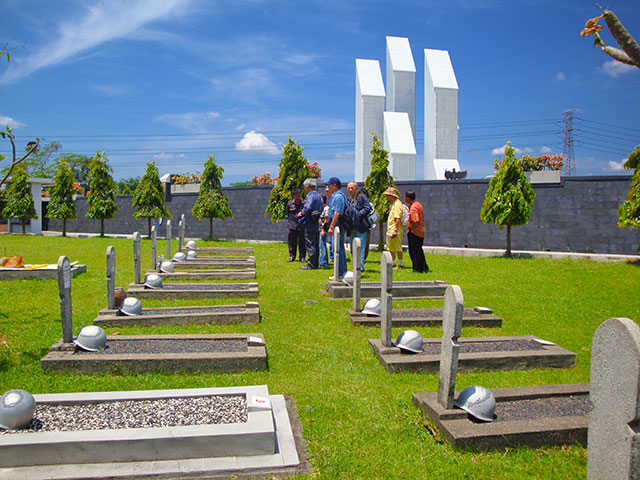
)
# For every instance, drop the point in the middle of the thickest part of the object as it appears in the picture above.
(394, 225)
(337, 205)
(362, 206)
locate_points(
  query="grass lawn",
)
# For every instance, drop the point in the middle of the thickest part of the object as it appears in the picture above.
(358, 421)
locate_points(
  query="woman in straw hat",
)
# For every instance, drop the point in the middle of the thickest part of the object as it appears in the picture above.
(394, 225)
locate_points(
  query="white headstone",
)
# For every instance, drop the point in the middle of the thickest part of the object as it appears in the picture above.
(136, 258)
(181, 234)
(357, 273)
(452, 328)
(401, 79)
(111, 277)
(398, 141)
(386, 297)
(154, 247)
(168, 239)
(370, 98)
(64, 290)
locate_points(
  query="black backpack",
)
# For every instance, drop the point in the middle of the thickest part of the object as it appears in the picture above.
(349, 218)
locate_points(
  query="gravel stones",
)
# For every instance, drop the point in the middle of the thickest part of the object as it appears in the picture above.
(205, 286)
(169, 412)
(179, 311)
(157, 345)
(545, 407)
(497, 346)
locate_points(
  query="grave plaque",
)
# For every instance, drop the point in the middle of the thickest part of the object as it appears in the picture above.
(386, 298)
(357, 272)
(168, 239)
(452, 328)
(181, 234)
(64, 289)
(614, 422)
(111, 277)
(336, 253)
(136, 257)
(154, 247)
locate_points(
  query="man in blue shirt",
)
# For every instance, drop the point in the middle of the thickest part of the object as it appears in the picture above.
(336, 208)
(311, 213)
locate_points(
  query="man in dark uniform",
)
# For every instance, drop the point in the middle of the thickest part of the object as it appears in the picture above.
(313, 206)
(296, 231)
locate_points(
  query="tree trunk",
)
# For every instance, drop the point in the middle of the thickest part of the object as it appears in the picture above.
(149, 225)
(102, 227)
(24, 226)
(381, 240)
(211, 228)
(64, 227)
(508, 252)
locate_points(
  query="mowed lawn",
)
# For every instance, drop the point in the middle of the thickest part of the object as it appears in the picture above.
(358, 420)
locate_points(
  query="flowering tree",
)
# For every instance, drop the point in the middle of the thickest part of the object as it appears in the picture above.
(148, 199)
(62, 204)
(378, 180)
(101, 197)
(211, 202)
(19, 202)
(542, 162)
(629, 211)
(509, 196)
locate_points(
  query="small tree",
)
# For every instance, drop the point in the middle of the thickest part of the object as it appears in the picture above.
(102, 190)
(294, 169)
(148, 199)
(62, 205)
(378, 180)
(629, 211)
(211, 202)
(30, 149)
(19, 203)
(509, 196)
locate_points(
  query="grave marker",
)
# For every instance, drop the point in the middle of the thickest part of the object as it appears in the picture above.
(181, 234)
(111, 277)
(64, 289)
(357, 272)
(614, 422)
(336, 252)
(154, 247)
(452, 328)
(386, 298)
(168, 239)
(136, 257)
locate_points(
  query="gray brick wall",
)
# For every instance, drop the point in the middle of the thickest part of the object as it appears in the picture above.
(577, 215)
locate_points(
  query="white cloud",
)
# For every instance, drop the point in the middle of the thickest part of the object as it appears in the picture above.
(100, 23)
(10, 122)
(614, 166)
(113, 90)
(560, 76)
(500, 151)
(528, 150)
(545, 149)
(240, 127)
(614, 69)
(168, 156)
(257, 143)
(191, 121)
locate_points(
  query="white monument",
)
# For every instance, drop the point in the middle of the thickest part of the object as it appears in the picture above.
(401, 79)
(440, 115)
(398, 141)
(370, 97)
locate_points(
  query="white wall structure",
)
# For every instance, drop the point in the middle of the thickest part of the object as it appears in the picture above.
(399, 142)
(440, 115)
(401, 79)
(370, 97)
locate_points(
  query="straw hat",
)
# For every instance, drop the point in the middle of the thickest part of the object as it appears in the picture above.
(392, 191)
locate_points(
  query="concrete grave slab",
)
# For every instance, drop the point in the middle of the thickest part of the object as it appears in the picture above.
(45, 272)
(223, 251)
(248, 313)
(220, 274)
(209, 263)
(479, 353)
(171, 452)
(526, 416)
(410, 289)
(426, 317)
(195, 290)
(163, 353)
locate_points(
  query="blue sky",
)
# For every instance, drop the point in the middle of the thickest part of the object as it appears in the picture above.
(177, 80)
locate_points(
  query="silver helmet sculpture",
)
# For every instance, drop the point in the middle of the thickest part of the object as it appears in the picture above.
(191, 254)
(348, 278)
(91, 338)
(478, 402)
(152, 281)
(191, 244)
(16, 409)
(409, 341)
(373, 306)
(179, 257)
(131, 306)
(167, 267)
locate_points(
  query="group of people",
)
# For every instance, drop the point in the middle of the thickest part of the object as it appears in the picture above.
(312, 222)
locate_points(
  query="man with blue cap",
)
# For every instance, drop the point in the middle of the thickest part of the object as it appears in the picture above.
(336, 208)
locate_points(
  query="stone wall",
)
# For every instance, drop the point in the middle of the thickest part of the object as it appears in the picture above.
(579, 215)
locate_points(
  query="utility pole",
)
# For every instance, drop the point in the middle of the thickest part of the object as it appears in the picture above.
(567, 150)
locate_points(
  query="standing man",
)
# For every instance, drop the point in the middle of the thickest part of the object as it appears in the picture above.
(311, 211)
(394, 226)
(336, 208)
(361, 204)
(415, 233)
(296, 231)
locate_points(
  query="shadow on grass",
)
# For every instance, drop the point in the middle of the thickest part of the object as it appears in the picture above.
(635, 263)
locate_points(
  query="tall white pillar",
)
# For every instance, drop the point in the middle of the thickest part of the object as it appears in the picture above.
(440, 115)
(370, 98)
(398, 141)
(401, 79)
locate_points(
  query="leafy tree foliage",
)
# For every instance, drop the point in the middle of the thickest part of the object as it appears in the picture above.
(62, 205)
(509, 196)
(80, 166)
(294, 169)
(19, 202)
(629, 211)
(148, 199)
(30, 149)
(127, 186)
(378, 180)
(211, 202)
(41, 164)
(102, 190)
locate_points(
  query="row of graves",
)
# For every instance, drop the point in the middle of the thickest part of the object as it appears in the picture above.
(241, 430)
(603, 415)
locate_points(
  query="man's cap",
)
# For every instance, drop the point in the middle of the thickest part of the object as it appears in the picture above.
(392, 191)
(334, 181)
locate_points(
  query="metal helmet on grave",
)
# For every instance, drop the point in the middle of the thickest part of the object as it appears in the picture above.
(409, 341)
(373, 306)
(191, 254)
(16, 409)
(167, 267)
(179, 257)
(152, 281)
(131, 306)
(348, 278)
(478, 402)
(191, 244)
(91, 338)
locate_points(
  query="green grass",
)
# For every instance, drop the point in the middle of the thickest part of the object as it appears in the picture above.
(358, 420)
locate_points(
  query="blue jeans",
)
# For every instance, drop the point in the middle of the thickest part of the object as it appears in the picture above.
(363, 241)
(323, 260)
(342, 256)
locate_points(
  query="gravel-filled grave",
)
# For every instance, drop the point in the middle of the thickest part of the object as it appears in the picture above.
(202, 286)
(545, 407)
(428, 312)
(494, 346)
(178, 310)
(158, 345)
(166, 412)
